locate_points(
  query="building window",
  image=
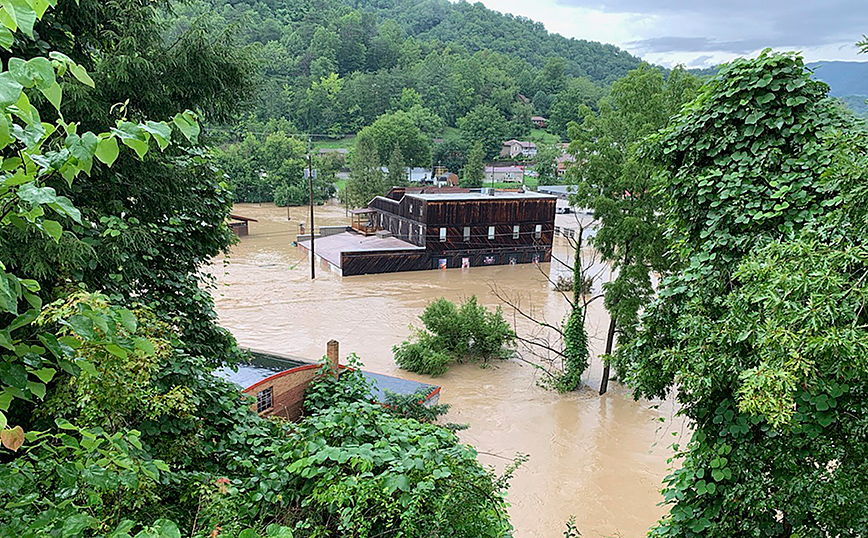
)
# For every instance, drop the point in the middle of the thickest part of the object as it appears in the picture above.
(537, 232)
(442, 235)
(515, 231)
(491, 233)
(265, 400)
(467, 233)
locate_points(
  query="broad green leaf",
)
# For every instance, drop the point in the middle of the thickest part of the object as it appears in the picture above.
(5, 136)
(42, 72)
(77, 523)
(10, 90)
(51, 343)
(116, 350)
(161, 132)
(139, 146)
(64, 206)
(20, 14)
(40, 6)
(6, 340)
(21, 72)
(6, 38)
(37, 389)
(80, 73)
(54, 94)
(45, 374)
(107, 150)
(24, 319)
(10, 290)
(145, 345)
(128, 320)
(82, 147)
(37, 195)
(187, 124)
(53, 229)
(2, 420)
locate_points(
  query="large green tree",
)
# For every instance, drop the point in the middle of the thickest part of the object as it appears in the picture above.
(487, 125)
(617, 183)
(366, 177)
(474, 171)
(761, 328)
(158, 219)
(398, 129)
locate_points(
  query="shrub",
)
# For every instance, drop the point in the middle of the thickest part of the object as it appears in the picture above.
(454, 333)
(422, 356)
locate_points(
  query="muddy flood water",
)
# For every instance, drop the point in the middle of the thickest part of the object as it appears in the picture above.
(600, 459)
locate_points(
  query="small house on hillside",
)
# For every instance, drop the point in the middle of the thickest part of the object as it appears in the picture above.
(504, 174)
(517, 148)
(431, 228)
(538, 121)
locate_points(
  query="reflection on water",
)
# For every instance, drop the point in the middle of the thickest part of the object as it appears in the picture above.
(598, 458)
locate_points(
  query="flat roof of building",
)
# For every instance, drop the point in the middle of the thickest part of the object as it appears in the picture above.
(481, 196)
(330, 247)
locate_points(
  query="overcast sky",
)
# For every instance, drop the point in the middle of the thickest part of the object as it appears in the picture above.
(701, 33)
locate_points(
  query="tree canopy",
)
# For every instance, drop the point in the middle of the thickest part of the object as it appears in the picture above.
(761, 323)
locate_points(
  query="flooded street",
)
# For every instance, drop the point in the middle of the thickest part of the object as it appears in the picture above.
(600, 459)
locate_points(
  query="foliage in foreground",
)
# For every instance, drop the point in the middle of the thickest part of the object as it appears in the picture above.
(762, 328)
(111, 427)
(453, 333)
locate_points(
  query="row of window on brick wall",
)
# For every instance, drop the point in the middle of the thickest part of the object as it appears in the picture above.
(516, 232)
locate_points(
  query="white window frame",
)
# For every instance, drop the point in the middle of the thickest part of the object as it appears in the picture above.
(442, 235)
(467, 233)
(515, 231)
(491, 233)
(537, 231)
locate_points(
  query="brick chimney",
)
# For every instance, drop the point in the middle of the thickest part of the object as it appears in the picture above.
(334, 356)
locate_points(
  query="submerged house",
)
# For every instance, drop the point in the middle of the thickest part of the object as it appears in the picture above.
(416, 229)
(277, 383)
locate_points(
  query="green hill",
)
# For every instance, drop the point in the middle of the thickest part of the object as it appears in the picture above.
(844, 78)
(334, 66)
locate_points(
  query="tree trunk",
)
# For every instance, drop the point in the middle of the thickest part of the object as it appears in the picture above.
(610, 341)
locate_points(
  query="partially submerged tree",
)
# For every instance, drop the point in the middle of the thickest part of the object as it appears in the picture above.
(560, 349)
(614, 181)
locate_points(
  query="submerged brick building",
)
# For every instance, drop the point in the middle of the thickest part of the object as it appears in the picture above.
(411, 230)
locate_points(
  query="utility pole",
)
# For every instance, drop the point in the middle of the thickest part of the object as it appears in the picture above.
(312, 229)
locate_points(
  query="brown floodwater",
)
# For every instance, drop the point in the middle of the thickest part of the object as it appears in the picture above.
(600, 459)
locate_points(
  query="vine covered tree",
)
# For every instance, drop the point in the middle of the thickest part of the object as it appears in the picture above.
(762, 325)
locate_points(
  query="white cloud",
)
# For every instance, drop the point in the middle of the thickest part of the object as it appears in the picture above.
(704, 32)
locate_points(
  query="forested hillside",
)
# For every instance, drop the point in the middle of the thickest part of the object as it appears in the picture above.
(334, 67)
(847, 81)
(426, 81)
